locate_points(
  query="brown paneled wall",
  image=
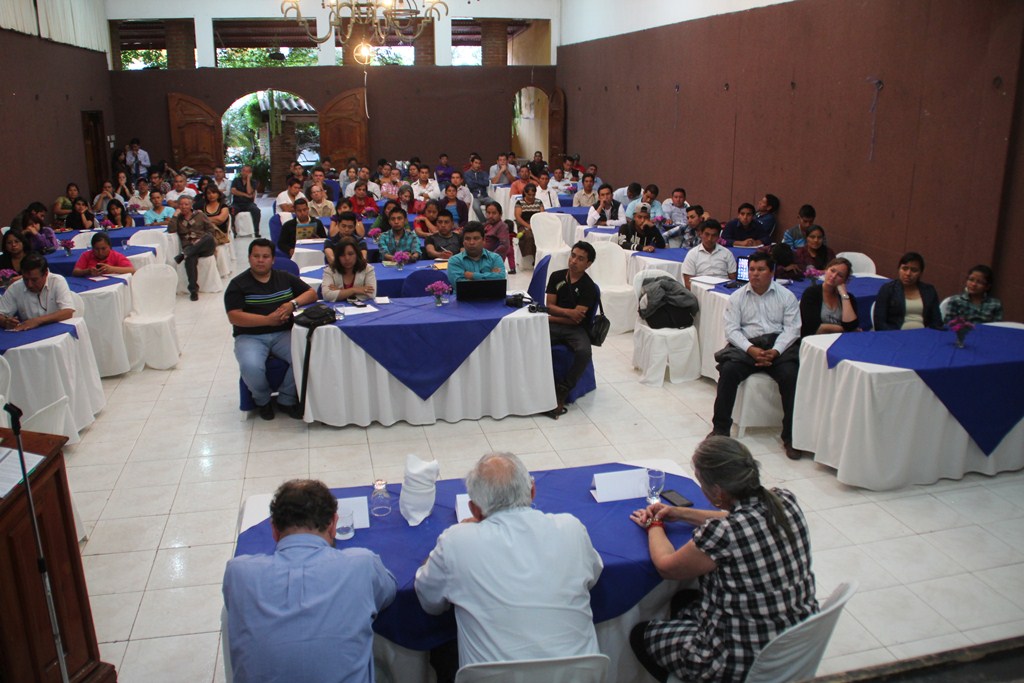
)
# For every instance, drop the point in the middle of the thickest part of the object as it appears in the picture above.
(783, 100)
(413, 110)
(46, 87)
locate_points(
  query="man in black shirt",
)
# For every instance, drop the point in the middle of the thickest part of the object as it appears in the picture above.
(301, 227)
(243, 197)
(260, 303)
(640, 234)
(570, 296)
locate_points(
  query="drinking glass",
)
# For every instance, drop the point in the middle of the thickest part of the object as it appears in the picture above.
(380, 499)
(346, 524)
(124, 244)
(655, 483)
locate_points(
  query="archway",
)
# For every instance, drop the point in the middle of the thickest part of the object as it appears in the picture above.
(270, 129)
(530, 108)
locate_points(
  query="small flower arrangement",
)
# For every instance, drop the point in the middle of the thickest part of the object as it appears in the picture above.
(721, 240)
(106, 224)
(6, 275)
(134, 207)
(67, 245)
(813, 273)
(401, 257)
(375, 233)
(439, 288)
(961, 327)
(661, 221)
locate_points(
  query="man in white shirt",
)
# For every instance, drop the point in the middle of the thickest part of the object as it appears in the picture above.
(425, 188)
(179, 190)
(38, 298)
(762, 327)
(586, 196)
(222, 183)
(519, 578)
(286, 200)
(372, 188)
(501, 173)
(675, 209)
(709, 257)
(547, 195)
(607, 212)
(559, 183)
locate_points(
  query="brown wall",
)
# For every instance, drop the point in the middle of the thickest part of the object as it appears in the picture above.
(413, 110)
(46, 87)
(779, 100)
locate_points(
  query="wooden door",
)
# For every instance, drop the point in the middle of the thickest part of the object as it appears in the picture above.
(95, 139)
(196, 138)
(344, 131)
(556, 127)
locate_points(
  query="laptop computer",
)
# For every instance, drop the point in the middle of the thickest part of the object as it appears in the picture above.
(481, 290)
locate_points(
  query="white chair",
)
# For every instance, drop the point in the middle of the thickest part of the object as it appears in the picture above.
(79, 304)
(223, 255)
(151, 238)
(578, 669)
(862, 263)
(794, 654)
(943, 307)
(655, 351)
(243, 224)
(547, 233)
(617, 296)
(149, 330)
(209, 279)
(5, 383)
(569, 226)
(82, 240)
(758, 403)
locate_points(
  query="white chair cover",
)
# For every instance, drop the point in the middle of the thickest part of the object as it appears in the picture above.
(655, 351)
(243, 224)
(758, 403)
(83, 240)
(547, 233)
(150, 332)
(5, 380)
(223, 255)
(79, 305)
(579, 669)
(151, 238)
(617, 296)
(209, 276)
(862, 263)
(569, 225)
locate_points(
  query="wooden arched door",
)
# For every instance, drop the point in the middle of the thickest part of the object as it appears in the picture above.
(556, 126)
(196, 137)
(344, 131)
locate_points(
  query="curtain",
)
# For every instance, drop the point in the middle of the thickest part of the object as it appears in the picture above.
(18, 15)
(74, 22)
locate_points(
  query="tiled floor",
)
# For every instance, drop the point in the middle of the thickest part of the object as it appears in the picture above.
(160, 477)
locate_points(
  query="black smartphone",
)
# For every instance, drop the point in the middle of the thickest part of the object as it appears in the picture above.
(358, 303)
(676, 499)
(732, 284)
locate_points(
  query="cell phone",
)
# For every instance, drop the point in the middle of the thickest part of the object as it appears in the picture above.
(676, 499)
(358, 303)
(732, 284)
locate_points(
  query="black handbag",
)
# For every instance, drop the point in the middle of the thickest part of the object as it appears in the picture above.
(312, 317)
(598, 331)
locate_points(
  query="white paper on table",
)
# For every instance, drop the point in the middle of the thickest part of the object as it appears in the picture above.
(381, 300)
(99, 278)
(462, 510)
(310, 241)
(624, 485)
(708, 279)
(360, 507)
(10, 468)
(353, 310)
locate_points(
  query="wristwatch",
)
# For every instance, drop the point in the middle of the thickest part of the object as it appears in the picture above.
(844, 297)
(295, 304)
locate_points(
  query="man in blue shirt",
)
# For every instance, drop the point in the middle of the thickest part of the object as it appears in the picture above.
(474, 262)
(399, 238)
(304, 614)
(745, 230)
(477, 181)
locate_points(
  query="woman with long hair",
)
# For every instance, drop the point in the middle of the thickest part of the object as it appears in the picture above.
(80, 218)
(350, 276)
(118, 215)
(828, 307)
(906, 303)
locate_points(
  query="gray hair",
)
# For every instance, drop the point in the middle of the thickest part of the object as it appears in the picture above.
(499, 481)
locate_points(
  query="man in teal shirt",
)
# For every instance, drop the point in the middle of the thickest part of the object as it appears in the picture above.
(474, 262)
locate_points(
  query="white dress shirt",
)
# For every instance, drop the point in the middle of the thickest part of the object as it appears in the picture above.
(371, 188)
(675, 214)
(548, 197)
(520, 581)
(619, 218)
(430, 189)
(720, 262)
(19, 301)
(749, 315)
(285, 198)
(561, 186)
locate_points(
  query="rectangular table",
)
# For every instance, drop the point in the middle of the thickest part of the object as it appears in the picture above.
(107, 303)
(882, 428)
(628, 590)
(508, 373)
(62, 264)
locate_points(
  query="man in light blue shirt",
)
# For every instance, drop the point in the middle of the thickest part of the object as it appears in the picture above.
(474, 262)
(305, 613)
(650, 197)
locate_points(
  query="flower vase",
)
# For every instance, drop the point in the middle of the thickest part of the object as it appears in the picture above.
(400, 265)
(961, 336)
(67, 251)
(438, 301)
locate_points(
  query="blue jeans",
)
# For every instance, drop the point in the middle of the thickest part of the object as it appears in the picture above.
(252, 351)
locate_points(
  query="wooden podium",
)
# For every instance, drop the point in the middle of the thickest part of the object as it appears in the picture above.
(27, 651)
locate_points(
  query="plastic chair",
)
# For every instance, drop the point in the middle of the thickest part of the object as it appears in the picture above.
(569, 228)
(561, 362)
(618, 298)
(149, 330)
(655, 351)
(758, 403)
(547, 233)
(416, 283)
(943, 307)
(5, 380)
(208, 279)
(578, 669)
(794, 654)
(151, 238)
(274, 228)
(243, 224)
(82, 240)
(79, 304)
(286, 264)
(862, 263)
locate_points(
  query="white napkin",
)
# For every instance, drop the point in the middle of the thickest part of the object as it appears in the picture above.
(419, 489)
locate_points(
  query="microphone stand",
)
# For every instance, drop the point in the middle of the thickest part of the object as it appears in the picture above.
(16, 414)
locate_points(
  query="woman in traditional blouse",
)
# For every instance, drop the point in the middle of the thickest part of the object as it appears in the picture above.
(350, 276)
(62, 205)
(906, 303)
(117, 215)
(80, 218)
(976, 303)
(815, 253)
(828, 307)
(752, 562)
(15, 247)
(455, 206)
(526, 208)
(217, 212)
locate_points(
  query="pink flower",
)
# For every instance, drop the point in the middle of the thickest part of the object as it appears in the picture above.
(375, 233)
(438, 288)
(401, 257)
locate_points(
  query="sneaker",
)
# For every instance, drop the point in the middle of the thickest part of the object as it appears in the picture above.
(179, 258)
(267, 411)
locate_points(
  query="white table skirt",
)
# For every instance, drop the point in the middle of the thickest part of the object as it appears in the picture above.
(144, 259)
(44, 371)
(309, 255)
(882, 428)
(105, 311)
(710, 324)
(509, 373)
(638, 263)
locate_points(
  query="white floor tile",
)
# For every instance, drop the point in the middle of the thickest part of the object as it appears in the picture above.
(187, 529)
(897, 615)
(197, 566)
(178, 612)
(170, 660)
(113, 616)
(966, 601)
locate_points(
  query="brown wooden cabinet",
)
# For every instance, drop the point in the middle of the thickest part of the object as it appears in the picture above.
(27, 650)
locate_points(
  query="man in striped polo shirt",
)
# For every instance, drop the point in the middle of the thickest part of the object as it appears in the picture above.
(260, 303)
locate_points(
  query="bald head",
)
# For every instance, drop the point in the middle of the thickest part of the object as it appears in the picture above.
(499, 481)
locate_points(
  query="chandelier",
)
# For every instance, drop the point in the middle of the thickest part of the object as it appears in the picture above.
(377, 18)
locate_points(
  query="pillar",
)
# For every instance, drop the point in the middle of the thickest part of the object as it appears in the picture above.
(424, 47)
(180, 35)
(115, 45)
(494, 42)
(283, 151)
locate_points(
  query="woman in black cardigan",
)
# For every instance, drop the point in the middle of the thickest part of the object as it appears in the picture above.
(906, 303)
(828, 307)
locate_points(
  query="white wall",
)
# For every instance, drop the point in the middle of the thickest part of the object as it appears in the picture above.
(584, 20)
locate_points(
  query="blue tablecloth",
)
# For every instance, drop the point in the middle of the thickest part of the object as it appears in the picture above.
(564, 199)
(115, 235)
(627, 577)
(9, 339)
(865, 289)
(84, 284)
(599, 231)
(678, 254)
(963, 379)
(577, 212)
(63, 264)
(389, 278)
(396, 335)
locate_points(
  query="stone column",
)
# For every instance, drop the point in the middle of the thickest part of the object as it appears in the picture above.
(180, 35)
(494, 42)
(283, 151)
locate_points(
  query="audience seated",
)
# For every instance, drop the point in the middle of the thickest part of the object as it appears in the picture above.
(689, 231)
(372, 188)
(159, 214)
(648, 197)
(15, 249)
(196, 233)
(38, 298)
(709, 257)
(243, 197)
(306, 612)
(117, 215)
(526, 208)
(62, 205)
(462, 191)
(496, 235)
(547, 195)
(102, 259)
(426, 222)
(520, 183)
(444, 243)
(407, 200)
(157, 182)
(586, 195)
(316, 179)
(767, 209)
(123, 187)
(80, 218)
(752, 562)
(570, 294)
(828, 307)
(399, 237)
(537, 166)
(217, 213)
(179, 190)
(744, 230)
(762, 328)
(363, 203)
(424, 186)
(450, 202)
(640, 234)
(592, 168)
(477, 181)
(501, 173)
(140, 202)
(348, 276)
(628, 194)
(286, 200)
(390, 186)
(100, 201)
(474, 262)
(343, 226)
(41, 239)
(559, 183)
(607, 211)
(381, 221)
(320, 205)
(975, 304)
(906, 303)
(569, 170)
(796, 236)
(301, 227)
(674, 210)
(38, 211)
(443, 171)
(815, 253)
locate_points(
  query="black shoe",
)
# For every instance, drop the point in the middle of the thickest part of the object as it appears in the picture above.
(193, 296)
(794, 453)
(512, 272)
(179, 258)
(267, 411)
(293, 411)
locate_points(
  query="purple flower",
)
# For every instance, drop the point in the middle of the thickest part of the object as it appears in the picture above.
(438, 288)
